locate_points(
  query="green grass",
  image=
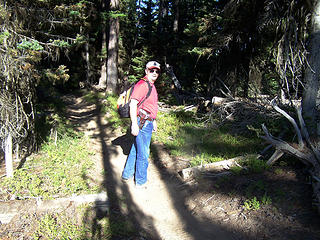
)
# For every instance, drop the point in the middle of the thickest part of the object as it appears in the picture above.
(256, 165)
(108, 107)
(255, 204)
(64, 226)
(57, 170)
(185, 136)
(257, 196)
(93, 97)
(252, 204)
(54, 226)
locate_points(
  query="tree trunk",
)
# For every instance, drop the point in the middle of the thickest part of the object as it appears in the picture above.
(8, 156)
(163, 12)
(87, 58)
(148, 23)
(113, 46)
(311, 90)
(103, 71)
(176, 16)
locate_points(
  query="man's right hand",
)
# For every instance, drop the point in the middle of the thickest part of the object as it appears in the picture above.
(134, 129)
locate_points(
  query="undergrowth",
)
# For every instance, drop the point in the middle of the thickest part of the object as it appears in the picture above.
(184, 135)
(62, 165)
(51, 173)
(54, 226)
(83, 226)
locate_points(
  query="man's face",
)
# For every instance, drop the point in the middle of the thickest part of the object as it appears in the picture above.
(152, 74)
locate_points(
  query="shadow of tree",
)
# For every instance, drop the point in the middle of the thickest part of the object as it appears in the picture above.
(120, 225)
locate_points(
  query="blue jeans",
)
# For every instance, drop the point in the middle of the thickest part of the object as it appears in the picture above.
(137, 161)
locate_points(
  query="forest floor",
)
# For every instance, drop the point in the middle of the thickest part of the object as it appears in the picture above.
(170, 208)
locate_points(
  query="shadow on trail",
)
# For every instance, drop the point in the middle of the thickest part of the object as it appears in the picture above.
(198, 229)
(119, 225)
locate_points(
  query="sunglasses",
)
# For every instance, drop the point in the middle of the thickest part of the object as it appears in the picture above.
(156, 71)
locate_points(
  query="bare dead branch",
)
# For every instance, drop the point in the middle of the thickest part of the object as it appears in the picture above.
(292, 121)
(275, 156)
(279, 144)
(228, 94)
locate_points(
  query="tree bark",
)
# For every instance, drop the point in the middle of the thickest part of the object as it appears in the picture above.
(103, 70)
(176, 17)
(113, 46)
(312, 74)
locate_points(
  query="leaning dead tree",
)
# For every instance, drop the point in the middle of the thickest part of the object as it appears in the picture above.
(16, 101)
(305, 149)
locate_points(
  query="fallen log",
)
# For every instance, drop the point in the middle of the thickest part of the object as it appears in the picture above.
(218, 101)
(196, 171)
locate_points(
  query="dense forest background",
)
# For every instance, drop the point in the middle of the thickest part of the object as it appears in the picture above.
(240, 48)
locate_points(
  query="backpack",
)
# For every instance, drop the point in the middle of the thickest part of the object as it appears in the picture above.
(124, 101)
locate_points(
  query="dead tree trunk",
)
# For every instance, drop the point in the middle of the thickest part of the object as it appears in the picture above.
(87, 59)
(306, 151)
(8, 156)
(176, 83)
(173, 77)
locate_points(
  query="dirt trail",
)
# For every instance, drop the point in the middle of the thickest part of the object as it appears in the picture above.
(162, 204)
(160, 209)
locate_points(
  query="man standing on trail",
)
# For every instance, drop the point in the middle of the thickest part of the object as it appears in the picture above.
(143, 123)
